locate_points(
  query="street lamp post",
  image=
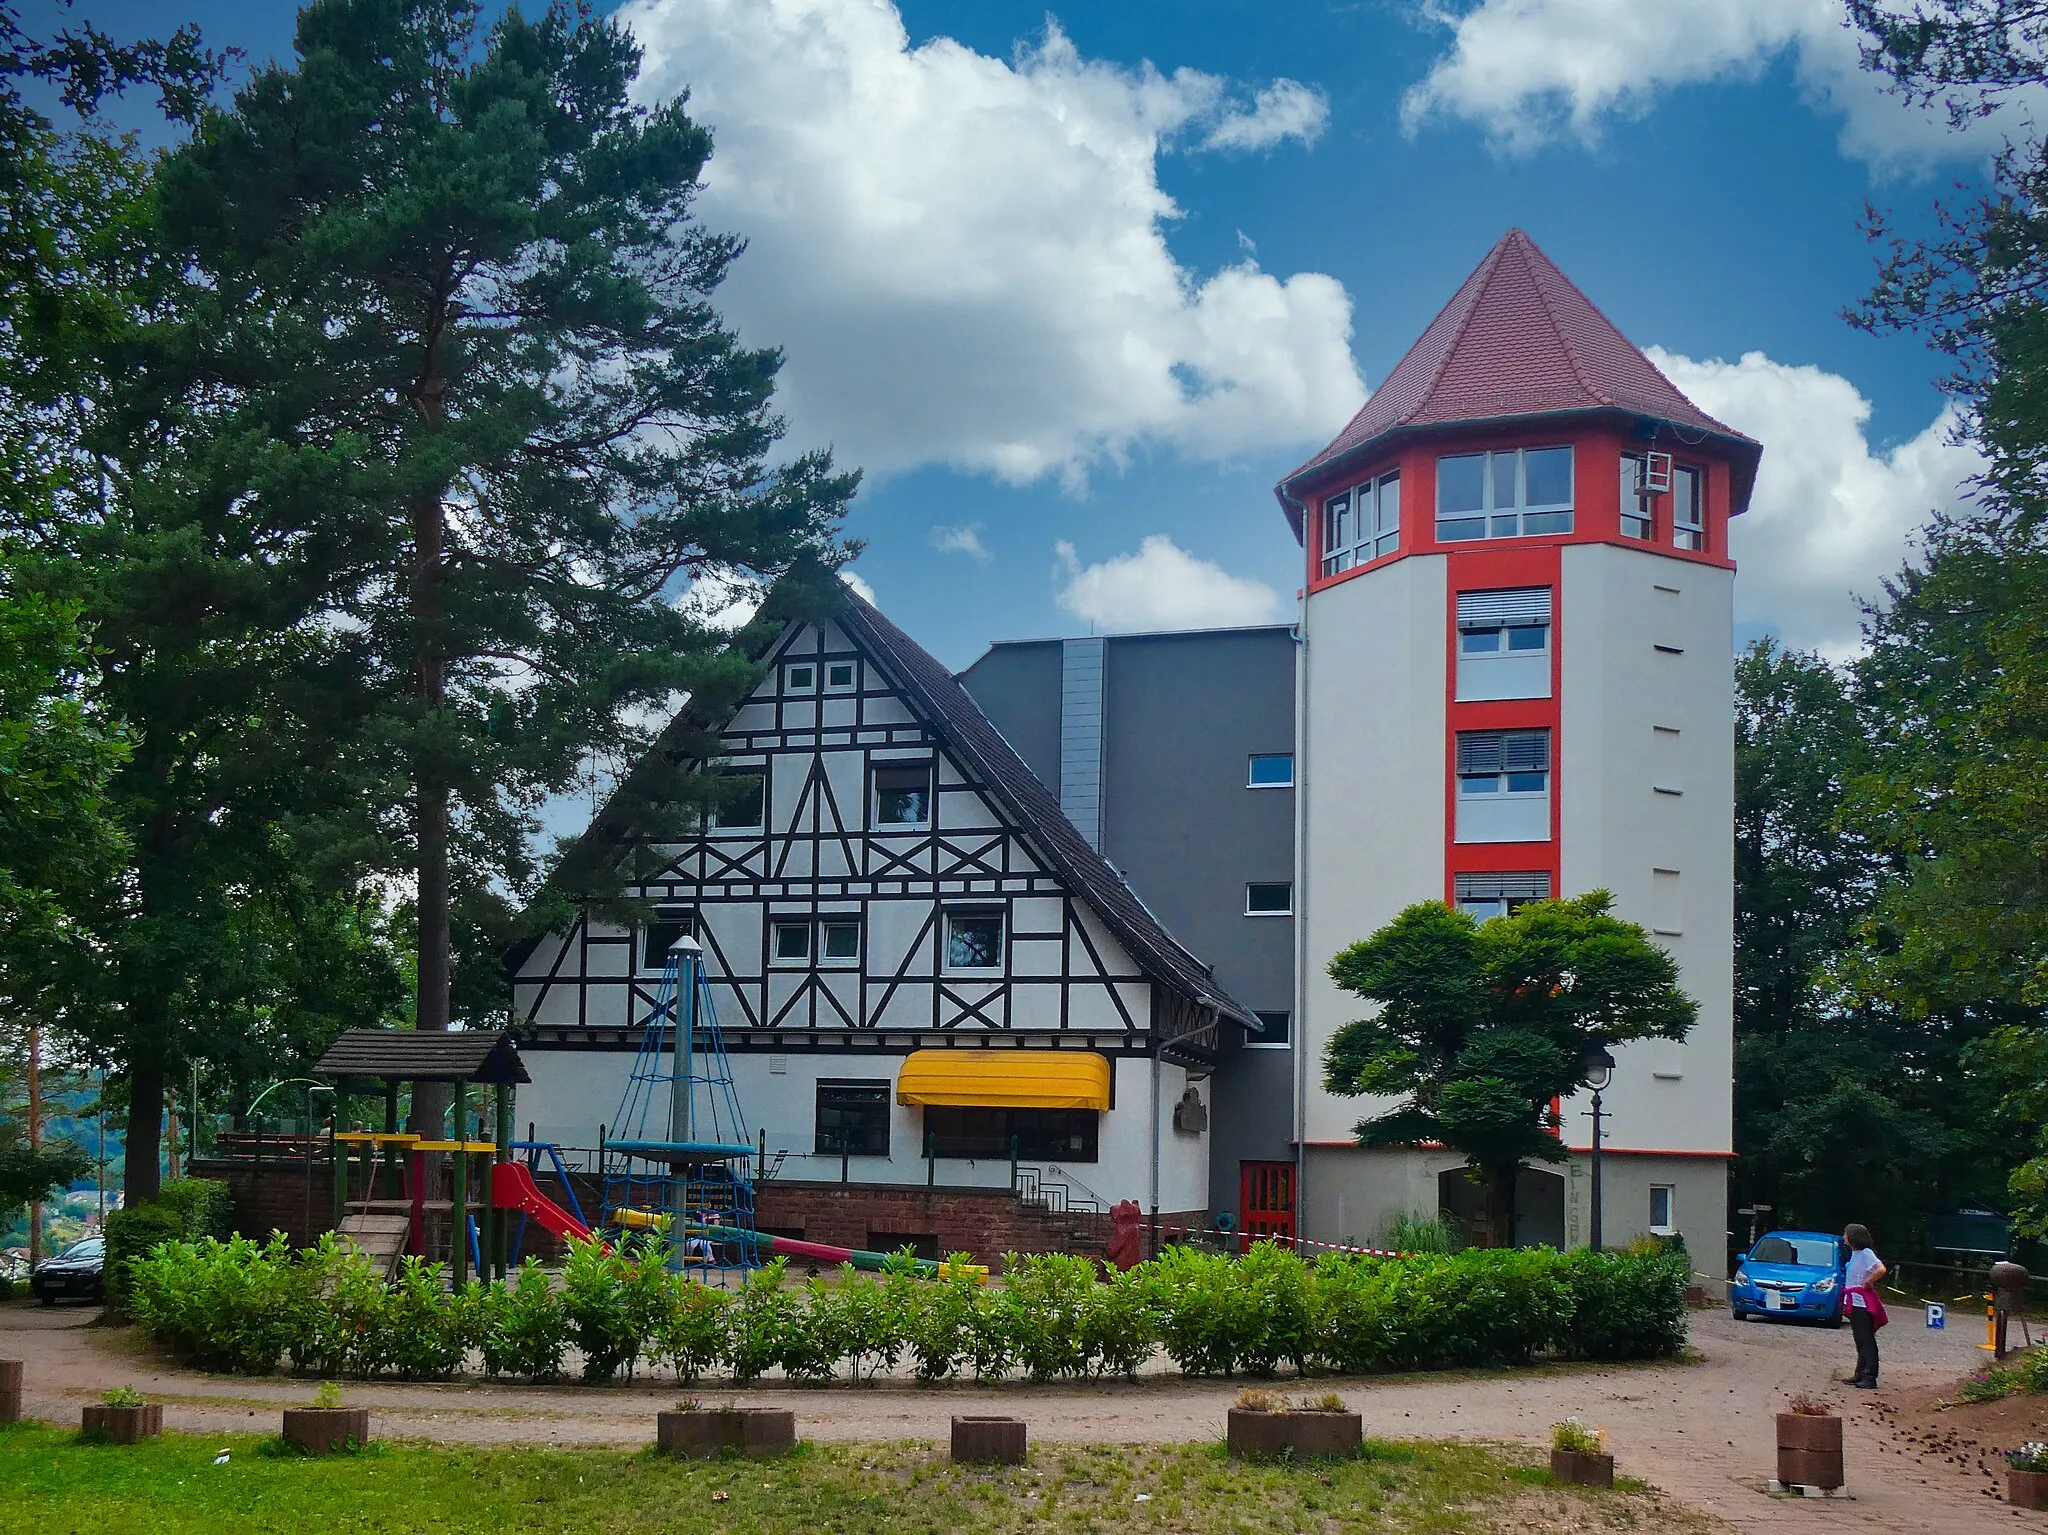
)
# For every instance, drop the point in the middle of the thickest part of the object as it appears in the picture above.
(1599, 1069)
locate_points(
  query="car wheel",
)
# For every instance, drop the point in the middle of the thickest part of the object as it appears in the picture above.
(1738, 1313)
(49, 1300)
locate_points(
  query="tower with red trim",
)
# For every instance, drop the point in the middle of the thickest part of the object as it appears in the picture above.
(1515, 683)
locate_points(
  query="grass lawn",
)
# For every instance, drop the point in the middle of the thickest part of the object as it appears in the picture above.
(171, 1486)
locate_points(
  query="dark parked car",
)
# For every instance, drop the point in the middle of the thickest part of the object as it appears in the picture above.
(74, 1273)
(1790, 1275)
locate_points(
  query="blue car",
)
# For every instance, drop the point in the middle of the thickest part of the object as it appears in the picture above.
(1790, 1276)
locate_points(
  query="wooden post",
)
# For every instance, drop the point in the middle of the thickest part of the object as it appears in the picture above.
(338, 1154)
(501, 1259)
(35, 1135)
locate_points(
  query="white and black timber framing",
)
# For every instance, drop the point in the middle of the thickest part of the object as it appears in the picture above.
(1082, 963)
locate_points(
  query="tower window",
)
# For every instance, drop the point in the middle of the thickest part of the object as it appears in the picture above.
(1687, 530)
(1362, 524)
(1503, 761)
(1510, 494)
(903, 793)
(1504, 643)
(1487, 896)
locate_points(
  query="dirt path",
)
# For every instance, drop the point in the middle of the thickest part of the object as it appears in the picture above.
(1700, 1431)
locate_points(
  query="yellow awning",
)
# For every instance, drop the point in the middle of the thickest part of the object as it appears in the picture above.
(1006, 1079)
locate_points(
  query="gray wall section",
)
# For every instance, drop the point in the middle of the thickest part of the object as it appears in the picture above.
(1183, 714)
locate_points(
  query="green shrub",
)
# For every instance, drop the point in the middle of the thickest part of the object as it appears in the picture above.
(1422, 1234)
(242, 1305)
(184, 1208)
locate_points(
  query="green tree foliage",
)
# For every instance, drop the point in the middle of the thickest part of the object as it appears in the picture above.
(450, 309)
(1481, 1025)
(1956, 671)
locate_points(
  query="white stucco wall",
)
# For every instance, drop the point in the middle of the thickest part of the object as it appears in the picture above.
(1647, 777)
(573, 1092)
(1372, 785)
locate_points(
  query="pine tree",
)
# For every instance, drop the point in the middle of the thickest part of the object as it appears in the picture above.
(448, 285)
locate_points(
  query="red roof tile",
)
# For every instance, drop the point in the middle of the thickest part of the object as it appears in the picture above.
(1518, 339)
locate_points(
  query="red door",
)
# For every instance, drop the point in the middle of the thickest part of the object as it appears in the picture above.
(1266, 1196)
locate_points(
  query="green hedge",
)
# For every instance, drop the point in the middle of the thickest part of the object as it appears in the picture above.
(183, 1208)
(243, 1306)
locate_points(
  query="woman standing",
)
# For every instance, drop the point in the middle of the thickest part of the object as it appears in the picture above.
(1860, 1278)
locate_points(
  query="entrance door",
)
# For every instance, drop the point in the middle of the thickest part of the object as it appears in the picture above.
(1266, 1197)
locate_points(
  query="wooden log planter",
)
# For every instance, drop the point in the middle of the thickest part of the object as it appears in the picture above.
(704, 1432)
(327, 1430)
(1298, 1433)
(123, 1425)
(988, 1441)
(10, 1390)
(2026, 1489)
(1583, 1468)
(1810, 1450)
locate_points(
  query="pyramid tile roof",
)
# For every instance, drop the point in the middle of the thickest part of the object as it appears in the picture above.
(1520, 339)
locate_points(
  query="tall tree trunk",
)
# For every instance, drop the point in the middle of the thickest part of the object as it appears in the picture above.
(35, 1135)
(141, 1179)
(431, 1010)
(1501, 1178)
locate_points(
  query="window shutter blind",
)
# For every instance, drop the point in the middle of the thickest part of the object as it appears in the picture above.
(1533, 886)
(1485, 610)
(1479, 751)
(1526, 751)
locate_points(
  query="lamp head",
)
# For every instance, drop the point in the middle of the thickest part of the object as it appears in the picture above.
(1598, 1066)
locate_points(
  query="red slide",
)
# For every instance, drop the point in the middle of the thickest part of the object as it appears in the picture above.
(513, 1188)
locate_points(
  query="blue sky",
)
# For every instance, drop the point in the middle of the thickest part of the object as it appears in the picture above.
(1075, 286)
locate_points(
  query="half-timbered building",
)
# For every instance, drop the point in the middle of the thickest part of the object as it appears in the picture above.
(924, 973)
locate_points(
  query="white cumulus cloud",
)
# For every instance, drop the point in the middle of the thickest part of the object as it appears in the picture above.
(1284, 110)
(964, 256)
(965, 541)
(1162, 586)
(1530, 70)
(1832, 515)
(859, 587)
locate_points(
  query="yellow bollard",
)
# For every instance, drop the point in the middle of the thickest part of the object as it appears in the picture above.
(1990, 1343)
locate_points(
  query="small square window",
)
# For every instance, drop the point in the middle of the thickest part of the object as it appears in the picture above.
(1269, 900)
(1275, 770)
(839, 675)
(842, 940)
(741, 799)
(660, 935)
(974, 941)
(903, 794)
(800, 679)
(792, 943)
(1662, 1209)
(1277, 1029)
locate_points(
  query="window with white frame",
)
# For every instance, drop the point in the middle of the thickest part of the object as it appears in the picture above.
(1503, 786)
(1362, 523)
(1663, 1209)
(840, 675)
(1688, 531)
(790, 942)
(1487, 896)
(1272, 770)
(903, 794)
(839, 940)
(1269, 899)
(800, 677)
(1274, 1029)
(741, 798)
(1508, 494)
(1503, 761)
(670, 925)
(974, 940)
(1638, 505)
(1504, 643)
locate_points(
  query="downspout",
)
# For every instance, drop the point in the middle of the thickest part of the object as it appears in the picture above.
(1155, 1149)
(1298, 1035)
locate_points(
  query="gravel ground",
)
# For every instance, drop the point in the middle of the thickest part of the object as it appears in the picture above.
(1700, 1430)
